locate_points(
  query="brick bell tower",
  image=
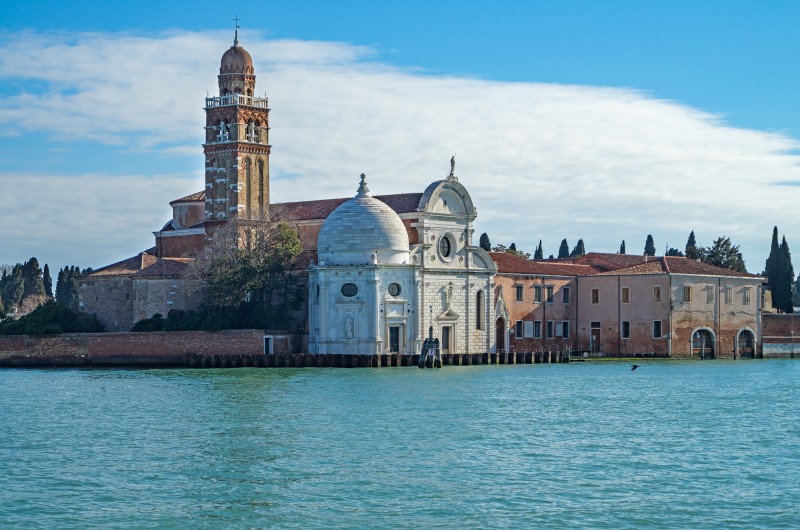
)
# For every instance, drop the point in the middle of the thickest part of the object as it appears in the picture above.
(237, 144)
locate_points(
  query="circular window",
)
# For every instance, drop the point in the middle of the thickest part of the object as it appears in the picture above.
(394, 289)
(349, 289)
(445, 247)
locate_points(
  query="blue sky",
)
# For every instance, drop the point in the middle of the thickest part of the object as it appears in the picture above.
(729, 69)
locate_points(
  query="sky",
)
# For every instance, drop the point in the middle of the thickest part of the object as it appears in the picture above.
(605, 121)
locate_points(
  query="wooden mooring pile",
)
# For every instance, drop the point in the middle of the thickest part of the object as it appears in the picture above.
(307, 360)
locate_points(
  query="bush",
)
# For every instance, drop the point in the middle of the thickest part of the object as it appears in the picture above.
(51, 318)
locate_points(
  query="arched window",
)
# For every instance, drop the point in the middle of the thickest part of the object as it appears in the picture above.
(261, 185)
(248, 193)
(479, 310)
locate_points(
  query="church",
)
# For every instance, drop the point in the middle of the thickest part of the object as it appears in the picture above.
(380, 273)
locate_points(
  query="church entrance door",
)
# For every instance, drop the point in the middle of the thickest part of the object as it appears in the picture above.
(445, 346)
(394, 339)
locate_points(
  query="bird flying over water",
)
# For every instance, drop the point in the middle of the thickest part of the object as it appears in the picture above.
(634, 367)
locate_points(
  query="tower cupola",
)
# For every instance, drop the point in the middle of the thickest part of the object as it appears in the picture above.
(236, 72)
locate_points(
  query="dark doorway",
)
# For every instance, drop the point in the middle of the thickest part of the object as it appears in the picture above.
(394, 339)
(445, 347)
(703, 344)
(594, 337)
(745, 345)
(500, 334)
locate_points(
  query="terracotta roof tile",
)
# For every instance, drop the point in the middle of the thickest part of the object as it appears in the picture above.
(652, 266)
(678, 265)
(511, 264)
(200, 196)
(321, 209)
(166, 267)
(128, 266)
(611, 261)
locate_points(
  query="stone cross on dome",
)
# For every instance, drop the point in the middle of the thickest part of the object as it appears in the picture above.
(363, 190)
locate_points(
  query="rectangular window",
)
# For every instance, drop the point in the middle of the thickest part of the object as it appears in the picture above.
(566, 330)
(549, 329)
(687, 294)
(657, 294)
(519, 291)
(626, 330)
(537, 294)
(565, 290)
(656, 329)
(518, 333)
(528, 329)
(728, 295)
(559, 329)
(626, 295)
(595, 296)
(549, 291)
(537, 329)
(746, 296)
(710, 295)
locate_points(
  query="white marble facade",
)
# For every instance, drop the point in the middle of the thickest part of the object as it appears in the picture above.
(372, 292)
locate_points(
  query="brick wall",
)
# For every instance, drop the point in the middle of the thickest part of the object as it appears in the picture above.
(134, 349)
(780, 335)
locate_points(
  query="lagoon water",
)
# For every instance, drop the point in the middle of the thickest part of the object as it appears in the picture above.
(711, 444)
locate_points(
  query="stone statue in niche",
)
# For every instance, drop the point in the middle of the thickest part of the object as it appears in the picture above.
(448, 297)
(349, 328)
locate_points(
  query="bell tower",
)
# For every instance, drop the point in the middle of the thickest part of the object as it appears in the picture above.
(237, 143)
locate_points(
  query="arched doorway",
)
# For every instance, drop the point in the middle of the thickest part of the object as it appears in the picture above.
(745, 344)
(500, 334)
(703, 344)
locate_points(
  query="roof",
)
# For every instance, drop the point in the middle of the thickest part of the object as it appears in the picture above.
(613, 261)
(127, 266)
(200, 196)
(511, 264)
(321, 209)
(166, 267)
(677, 265)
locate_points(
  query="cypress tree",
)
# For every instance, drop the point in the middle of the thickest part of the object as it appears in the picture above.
(786, 276)
(691, 250)
(485, 244)
(32, 278)
(47, 281)
(771, 269)
(539, 253)
(579, 250)
(649, 246)
(796, 292)
(60, 286)
(563, 250)
(513, 247)
(622, 247)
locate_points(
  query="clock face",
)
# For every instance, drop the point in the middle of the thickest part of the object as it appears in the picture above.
(394, 289)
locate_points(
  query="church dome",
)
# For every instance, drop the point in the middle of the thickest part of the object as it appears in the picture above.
(236, 60)
(363, 231)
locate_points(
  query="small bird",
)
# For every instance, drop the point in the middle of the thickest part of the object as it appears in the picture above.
(634, 367)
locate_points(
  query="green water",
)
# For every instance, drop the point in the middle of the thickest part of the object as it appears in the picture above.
(671, 445)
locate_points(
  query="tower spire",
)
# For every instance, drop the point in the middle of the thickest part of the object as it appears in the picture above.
(236, 32)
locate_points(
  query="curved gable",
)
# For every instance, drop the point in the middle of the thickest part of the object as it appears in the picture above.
(447, 197)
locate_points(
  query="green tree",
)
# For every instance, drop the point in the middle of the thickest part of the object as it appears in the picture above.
(47, 281)
(691, 251)
(563, 250)
(485, 244)
(13, 288)
(649, 246)
(579, 250)
(777, 270)
(674, 252)
(511, 250)
(512, 247)
(254, 272)
(539, 252)
(32, 278)
(622, 247)
(796, 292)
(723, 254)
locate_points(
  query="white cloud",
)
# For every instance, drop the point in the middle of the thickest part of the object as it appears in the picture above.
(542, 161)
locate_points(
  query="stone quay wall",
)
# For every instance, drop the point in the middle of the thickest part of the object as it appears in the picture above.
(224, 349)
(151, 349)
(780, 335)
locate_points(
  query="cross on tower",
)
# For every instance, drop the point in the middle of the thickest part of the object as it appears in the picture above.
(236, 35)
